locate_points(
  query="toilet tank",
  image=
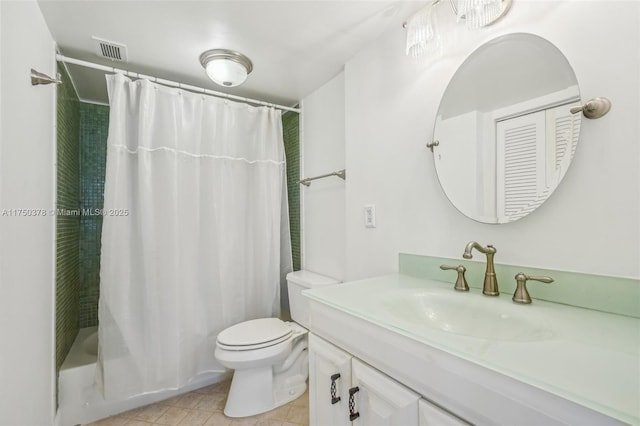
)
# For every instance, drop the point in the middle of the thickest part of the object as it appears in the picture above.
(298, 281)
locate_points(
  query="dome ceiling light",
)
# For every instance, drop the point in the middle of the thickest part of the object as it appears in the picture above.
(226, 67)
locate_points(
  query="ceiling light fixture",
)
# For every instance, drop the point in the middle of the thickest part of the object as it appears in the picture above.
(226, 67)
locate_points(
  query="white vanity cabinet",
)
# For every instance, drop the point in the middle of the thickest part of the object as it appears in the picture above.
(343, 391)
(432, 415)
(379, 323)
(329, 383)
(380, 400)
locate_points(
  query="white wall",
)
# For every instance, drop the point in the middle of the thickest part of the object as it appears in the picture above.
(27, 180)
(590, 224)
(323, 243)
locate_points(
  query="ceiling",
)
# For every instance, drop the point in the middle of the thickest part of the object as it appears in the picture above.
(509, 70)
(295, 45)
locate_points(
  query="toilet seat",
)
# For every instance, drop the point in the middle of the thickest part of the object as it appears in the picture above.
(254, 334)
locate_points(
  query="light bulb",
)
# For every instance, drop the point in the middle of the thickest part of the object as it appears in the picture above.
(226, 72)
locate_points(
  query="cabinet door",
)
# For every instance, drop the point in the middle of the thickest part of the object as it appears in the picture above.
(329, 382)
(431, 415)
(380, 400)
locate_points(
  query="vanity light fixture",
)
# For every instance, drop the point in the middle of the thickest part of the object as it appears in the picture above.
(480, 13)
(422, 35)
(225, 67)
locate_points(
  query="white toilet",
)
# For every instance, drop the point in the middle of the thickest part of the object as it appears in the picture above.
(269, 356)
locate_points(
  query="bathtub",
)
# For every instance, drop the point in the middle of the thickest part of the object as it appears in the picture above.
(79, 401)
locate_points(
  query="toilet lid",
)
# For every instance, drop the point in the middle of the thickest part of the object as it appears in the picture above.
(254, 332)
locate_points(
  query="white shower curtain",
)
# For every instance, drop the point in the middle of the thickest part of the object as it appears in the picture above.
(195, 234)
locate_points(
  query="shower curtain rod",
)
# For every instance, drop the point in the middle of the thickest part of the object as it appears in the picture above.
(68, 60)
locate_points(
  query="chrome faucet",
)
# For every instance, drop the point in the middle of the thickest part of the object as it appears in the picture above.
(490, 287)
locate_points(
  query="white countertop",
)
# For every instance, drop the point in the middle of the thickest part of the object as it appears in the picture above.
(588, 357)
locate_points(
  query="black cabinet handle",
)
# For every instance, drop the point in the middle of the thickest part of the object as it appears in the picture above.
(334, 398)
(352, 404)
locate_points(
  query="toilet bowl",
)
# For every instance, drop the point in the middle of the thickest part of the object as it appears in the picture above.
(269, 356)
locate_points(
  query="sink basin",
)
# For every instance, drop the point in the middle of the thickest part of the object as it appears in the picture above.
(465, 314)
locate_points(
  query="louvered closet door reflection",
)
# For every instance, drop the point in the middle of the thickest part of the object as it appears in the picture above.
(563, 130)
(520, 165)
(533, 154)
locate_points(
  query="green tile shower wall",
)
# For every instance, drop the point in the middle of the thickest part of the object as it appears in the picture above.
(67, 226)
(94, 127)
(291, 134)
(609, 294)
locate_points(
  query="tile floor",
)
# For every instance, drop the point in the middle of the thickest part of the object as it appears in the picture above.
(203, 407)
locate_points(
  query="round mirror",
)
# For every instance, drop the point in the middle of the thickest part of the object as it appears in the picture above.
(504, 134)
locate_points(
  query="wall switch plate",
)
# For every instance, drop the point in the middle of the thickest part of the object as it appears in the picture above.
(370, 216)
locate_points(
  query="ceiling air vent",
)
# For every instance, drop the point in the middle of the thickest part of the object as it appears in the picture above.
(110, 50)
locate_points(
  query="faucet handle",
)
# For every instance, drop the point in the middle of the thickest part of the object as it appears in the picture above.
(521, 294)
(461, 282)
